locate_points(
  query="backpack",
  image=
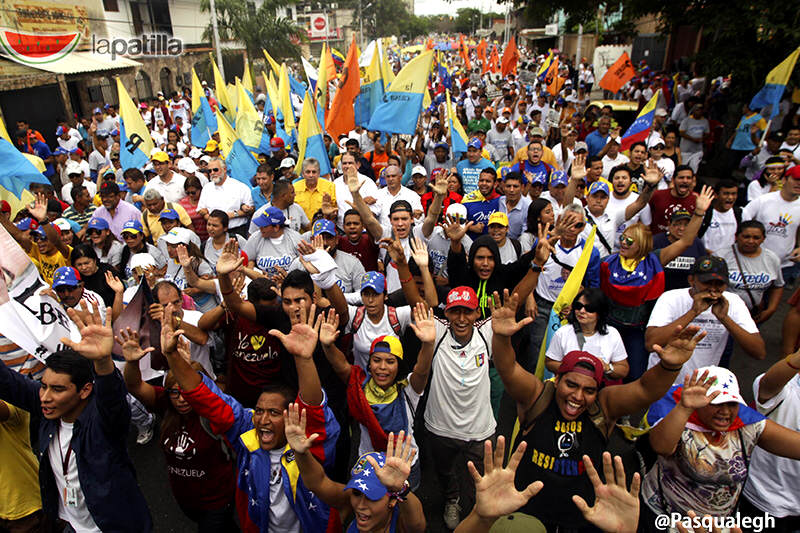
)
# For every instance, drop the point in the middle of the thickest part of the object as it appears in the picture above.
(391, 313)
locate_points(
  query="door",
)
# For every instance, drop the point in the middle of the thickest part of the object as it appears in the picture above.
(40, 106)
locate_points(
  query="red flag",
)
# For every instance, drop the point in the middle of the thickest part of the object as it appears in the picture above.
(510, 58)
(618, 74)
(341, 117)
(552, 79)
(429, 44)
(494, 61)
(464, 51)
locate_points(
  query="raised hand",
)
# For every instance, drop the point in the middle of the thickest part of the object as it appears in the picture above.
(440, 183)
(39, 209)
(305, 248)
(652, 174)
(329, 208)
(294, 426)
(131, 350)
(419, 251)
(395, 248)
(504, 321)
(543, 247)
(169, 336)
(97, 339)
(302, 339)
(329, 328)
(615, 508)
(184, 258)
(564, 222)
(495, 492)
(184, 349)
(695, 391)
(454, 230)
(424, 325)
(681, 346)
(230, 259)
(114, 282)
(399, 456)
(351, 177)
(578, 171)
(704, 199)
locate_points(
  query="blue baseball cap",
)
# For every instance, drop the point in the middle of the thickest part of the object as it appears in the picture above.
(60, 130)
(169, 214)
(323, 225)
(98, 224)
(38, 230)
(66, 276)
(558, 177)
(598, 186)
(132, 226)
(271, 217)
(442, 145)
(475, 143)
(60, 151)
(96, 110)
(373, 280)
(538, 178)
(26, 224)
(363, 478)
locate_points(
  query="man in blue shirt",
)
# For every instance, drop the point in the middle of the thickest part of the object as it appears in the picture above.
(262, 192)
(597, 141)
(481, 203)
(36, 147)
(470, 168)
(533, 168)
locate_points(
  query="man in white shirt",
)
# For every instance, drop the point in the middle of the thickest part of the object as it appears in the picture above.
(167, 182)
(369, 190)
(178, 107)
(565, 150)
(655, 146)
(613, 158)
(500, 138)
(709, 306)
(393, 192)
(75, 175)
(621, 197)
(226, 194)
(720, 232)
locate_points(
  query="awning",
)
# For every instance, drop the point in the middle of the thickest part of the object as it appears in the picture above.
(78, 62)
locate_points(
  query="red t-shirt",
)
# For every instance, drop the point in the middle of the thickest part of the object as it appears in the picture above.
(451, 198)
(364, 249)
(663, 204)
(200, 475)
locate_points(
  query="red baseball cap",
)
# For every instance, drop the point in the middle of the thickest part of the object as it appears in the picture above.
(462, 297)
(4, 207)
(570, 364)
(794, 172)
(277, 142)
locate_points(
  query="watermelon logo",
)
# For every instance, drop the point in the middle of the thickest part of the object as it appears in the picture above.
(37, 48)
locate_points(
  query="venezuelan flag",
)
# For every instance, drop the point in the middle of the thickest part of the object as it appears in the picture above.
(338, 57)
(309, 139)
(399, 111)
(240, 162)
(640, 129)
(661, 408)
(311, 74)
(542, 72)
(204, 122)
(134, 139)
(371, 93)
(458, 137)
(770, 95)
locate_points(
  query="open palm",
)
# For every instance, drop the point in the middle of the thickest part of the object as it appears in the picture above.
(294, 423)
(424, 325)
(97, 339)
(302, 339)
(695, 390)
(397, 466)
(615, 509)
(681, 346)
(504, 315)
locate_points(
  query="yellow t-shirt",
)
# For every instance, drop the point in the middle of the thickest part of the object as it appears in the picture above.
(19, 469)
(48, 264)
(547, 156)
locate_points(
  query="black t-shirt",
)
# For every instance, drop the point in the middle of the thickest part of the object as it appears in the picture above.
(676, 272)
(97, 283)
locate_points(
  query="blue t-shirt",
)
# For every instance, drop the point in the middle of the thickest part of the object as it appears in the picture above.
(40, 149)
(743, 140)
(539, 170)
(469, 173)
(676, 272)
(259, 199)
(479, 210)
(595, 142)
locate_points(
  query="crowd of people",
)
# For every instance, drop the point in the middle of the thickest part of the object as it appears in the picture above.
(327, 344)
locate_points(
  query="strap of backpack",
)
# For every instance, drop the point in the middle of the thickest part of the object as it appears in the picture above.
(358, 319)
(741, 273)
(226, 450)
(598, 233)
(581, 339)
(391, 313)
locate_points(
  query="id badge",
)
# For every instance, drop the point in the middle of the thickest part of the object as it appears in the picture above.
(71, 496)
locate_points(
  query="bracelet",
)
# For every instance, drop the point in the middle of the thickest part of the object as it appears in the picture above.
(790, 364)
(407, 280)
(698, 214)
(401, 494)
(668, 369)
(224, 293)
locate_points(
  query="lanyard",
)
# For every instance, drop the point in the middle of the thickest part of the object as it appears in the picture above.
(64, 460)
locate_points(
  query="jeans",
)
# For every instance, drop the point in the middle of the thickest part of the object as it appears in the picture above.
(140, 416)
(790, 273)
(450, 458)
(633, 339)
(539, 328)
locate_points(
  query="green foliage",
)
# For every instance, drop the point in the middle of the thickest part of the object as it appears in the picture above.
(382, 18)
(256, 28)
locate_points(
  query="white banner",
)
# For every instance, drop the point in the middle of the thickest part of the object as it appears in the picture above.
(35, 322)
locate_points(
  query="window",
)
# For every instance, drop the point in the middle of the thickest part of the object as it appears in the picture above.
(109, 95)
(144, 89)
(110, 5)
(165, 78)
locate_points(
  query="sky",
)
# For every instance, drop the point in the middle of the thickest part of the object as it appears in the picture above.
(436, 7)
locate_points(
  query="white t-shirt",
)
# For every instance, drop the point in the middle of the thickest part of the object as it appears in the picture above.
(76, 514)
(553, 276)
(270, 253)
(667, 167)
(607, 225)
(368, 190)
(557, 152)
(755, 189)
(673, 304)
(780, 218)
(508, 254)
(296, 218)
(609, 163)
(608, 347)
(281, 515)
(66, 190)
(644, 216)
(180, 108)
(721, 231)
(228, 197)
(459, 404)
(385, 200)
(439, 247)
(771, 479)
(171, 191)
(199, 352)
(369, 331)
(392, 276)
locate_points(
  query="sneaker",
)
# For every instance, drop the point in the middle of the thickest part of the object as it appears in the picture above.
(452, 514)
(146, 433)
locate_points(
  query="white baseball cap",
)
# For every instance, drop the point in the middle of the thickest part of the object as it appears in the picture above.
(178, 236)
(726, 383)
(419, 169)
(654, 140)
(73, 167)
(287, 162)
(502, 120)
(187, 165)
(142, 260)
(456, 210)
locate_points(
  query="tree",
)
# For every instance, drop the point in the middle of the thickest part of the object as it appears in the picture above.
(390, 17)
(256, 28)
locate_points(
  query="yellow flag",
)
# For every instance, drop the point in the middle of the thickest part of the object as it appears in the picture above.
(233, 95)
(386, 70)
(221, 92)
(247, 77)
(426, 98)
(272, 63)
(272, 92)
(136, 144)
(197, 92)
(226, 135)
(309, 139)
(373, 72)
(286, 100)
(36, 160)
(321, 92)
(249, 126)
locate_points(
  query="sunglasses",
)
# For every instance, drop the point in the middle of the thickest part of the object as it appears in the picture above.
(624, 239)
(93, 232)
(129, 236)
(62, 289)
(35, 237)
(578, 306)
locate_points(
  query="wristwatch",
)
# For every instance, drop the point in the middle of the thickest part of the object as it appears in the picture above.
(535, 267)
(610, 369)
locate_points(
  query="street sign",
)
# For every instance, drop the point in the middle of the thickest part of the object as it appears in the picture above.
(319, 25)
(551, 29)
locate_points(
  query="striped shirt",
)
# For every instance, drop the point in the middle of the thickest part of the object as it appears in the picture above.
(80, 218)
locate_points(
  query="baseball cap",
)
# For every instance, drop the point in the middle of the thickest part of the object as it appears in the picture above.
(73, 167)
(160, 156)
(98, 224)
(142, 260)
(272, 216)
(109, 187)
(442, 145)
(178, 236)
(323, 225)
(5, 207)
(654, 140)
(502, 120)
(777, 136)
(793, 172)
(458, 211)
(571, 360)
(169, 214)
(211, 145)
(661, 112)
(27, 223)
(373, 280)
(558, 177)
(287, 162)
(97, 110)
(187, 165)
(419, 169)
(66, 277)
(518, 523)
(498, 217)
(475, 143)
(536, 131)
(132, 226)
(276, 142)
(726, 383)
(363, 477)
(60, 130)
(400, 205)
(580, 146)
(195, 153)
(710, 267)
(462, 297)
(387, 344)
(506, 110)
(62, 224)
(680, 214)
(598, 186)
(60, 151)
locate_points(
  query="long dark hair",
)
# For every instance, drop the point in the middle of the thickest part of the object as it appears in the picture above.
(535, 213)
(83, 250)
(107, 242)
(596, 299)
(126, 253)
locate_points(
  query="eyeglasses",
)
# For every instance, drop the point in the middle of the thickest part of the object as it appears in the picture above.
(624, 239)
(174, 392)
(62, 289)
(578, 306)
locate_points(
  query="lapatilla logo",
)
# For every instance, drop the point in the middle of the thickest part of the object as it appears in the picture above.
(34, 49)
(148, 44)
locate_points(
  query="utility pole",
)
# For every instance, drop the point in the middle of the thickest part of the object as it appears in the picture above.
(217, 46)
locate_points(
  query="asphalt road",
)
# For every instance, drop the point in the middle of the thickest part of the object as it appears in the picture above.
(167, 517)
